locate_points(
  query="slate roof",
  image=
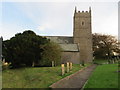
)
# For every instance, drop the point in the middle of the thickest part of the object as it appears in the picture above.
(61, 39)
(65, 42)
(70, 47)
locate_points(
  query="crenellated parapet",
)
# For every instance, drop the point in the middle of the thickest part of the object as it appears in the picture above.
(82, 13)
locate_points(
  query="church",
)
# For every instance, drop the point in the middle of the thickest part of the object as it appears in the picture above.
(78, 48)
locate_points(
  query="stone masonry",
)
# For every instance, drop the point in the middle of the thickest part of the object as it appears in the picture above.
(82, 34)
(77, 48)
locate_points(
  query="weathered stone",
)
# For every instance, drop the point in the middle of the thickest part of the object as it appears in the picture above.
(63, 69)
(3, 61)
(68, 69)
(70, 66)
(33, 64)
(83, 35)
(53, 64)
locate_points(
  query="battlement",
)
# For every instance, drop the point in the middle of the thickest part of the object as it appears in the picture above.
(82, 12)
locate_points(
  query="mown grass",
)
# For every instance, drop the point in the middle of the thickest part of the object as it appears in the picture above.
(104, 76)
(100, 61)
(36, 77)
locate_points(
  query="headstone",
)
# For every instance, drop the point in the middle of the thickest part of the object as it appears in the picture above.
(63, 69)
(81, 65)
(3, 61)
(52, 63)
(33, 64)
(70, 66)
(67, 67)
(117, 57)
(113, 61)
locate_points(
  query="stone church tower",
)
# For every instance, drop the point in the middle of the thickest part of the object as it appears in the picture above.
(82, 34)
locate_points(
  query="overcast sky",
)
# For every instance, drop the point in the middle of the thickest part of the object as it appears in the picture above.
(56, 18)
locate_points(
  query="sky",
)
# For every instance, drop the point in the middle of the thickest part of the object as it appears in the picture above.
(55, 18)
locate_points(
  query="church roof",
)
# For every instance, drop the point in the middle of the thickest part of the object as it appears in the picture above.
(70, 47)
(65, 42)
(61, 39)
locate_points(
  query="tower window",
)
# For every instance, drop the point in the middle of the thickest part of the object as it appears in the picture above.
(83, 23)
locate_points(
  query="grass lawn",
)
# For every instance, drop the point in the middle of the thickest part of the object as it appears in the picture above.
(104, 76)
(100, 61)
(35, 77)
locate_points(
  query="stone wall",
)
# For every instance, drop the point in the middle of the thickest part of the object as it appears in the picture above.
(83, 35)
(73, 57)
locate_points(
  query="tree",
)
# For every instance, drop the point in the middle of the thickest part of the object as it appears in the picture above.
(24, 48)
(52, 52)
(104, 45)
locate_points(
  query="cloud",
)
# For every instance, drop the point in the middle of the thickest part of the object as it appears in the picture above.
(44, 27)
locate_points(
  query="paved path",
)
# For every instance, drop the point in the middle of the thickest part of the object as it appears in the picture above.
(75, 81)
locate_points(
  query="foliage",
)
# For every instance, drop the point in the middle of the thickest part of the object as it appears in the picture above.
(104, 45)
(24, 49)
(52, 52)
(104, 76)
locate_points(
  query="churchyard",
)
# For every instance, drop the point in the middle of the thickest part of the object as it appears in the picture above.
(104, 76)
(35, 77)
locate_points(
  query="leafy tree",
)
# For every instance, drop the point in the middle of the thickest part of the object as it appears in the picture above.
(104, 45)
(24, 49)
(52, 52)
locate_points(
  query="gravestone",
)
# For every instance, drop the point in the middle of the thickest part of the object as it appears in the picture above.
(63, 69)
(33, 64)
(3, 61)
(68, 67)
(53, 64)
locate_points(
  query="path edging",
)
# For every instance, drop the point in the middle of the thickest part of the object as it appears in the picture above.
(68, 77)
(85, 84)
